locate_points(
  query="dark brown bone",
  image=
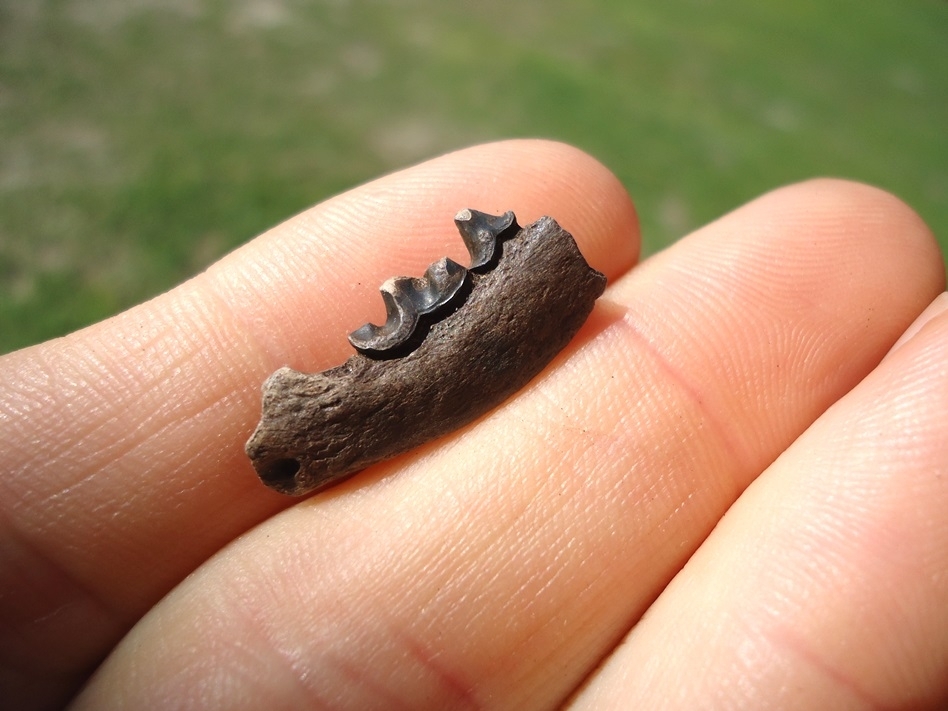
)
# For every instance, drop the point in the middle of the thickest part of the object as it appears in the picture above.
(509, 323)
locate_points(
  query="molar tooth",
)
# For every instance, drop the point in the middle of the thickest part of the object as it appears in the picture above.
(437, 287)
(481, 233)
(406, 299)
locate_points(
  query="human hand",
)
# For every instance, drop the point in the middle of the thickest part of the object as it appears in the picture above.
(722, 494)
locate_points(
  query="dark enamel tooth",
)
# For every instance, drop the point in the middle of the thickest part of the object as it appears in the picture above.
(400, 321)
(406, 300)
(481, 233)
(438, 287)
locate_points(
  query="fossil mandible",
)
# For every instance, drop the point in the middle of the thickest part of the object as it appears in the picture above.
(456, 342)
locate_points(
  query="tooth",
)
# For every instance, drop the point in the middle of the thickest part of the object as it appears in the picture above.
(481, 233)
(401, 317)
(437, 288)
(406, 300)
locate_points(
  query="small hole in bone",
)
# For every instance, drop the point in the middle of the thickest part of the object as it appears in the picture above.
(283, 470)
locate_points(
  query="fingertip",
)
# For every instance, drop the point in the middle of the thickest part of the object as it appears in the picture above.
(935, 309)
(581, 193)
(534, 178)
(827, 233)
(851, 214)
(317, 274)
(884, 243)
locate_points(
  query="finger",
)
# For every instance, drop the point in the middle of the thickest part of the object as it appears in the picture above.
(824, 586)
(124, 442)
(933, 309)
(499, 567)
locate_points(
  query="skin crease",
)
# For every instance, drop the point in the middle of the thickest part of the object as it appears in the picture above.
(508, 565)
(843, 611)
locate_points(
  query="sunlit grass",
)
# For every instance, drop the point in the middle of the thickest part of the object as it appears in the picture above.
(142, 140)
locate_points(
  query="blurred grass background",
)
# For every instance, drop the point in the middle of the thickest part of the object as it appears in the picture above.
(142, 139)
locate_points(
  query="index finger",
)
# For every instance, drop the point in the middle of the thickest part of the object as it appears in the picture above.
(125, 466)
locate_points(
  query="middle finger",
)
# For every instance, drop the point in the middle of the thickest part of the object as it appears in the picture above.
(502, 563)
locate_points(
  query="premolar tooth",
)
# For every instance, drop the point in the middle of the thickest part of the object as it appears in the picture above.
(401, 317)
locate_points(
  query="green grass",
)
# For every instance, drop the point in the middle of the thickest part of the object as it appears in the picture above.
(141, 140)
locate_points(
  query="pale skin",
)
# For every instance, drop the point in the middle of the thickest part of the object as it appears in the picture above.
(728, 492)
